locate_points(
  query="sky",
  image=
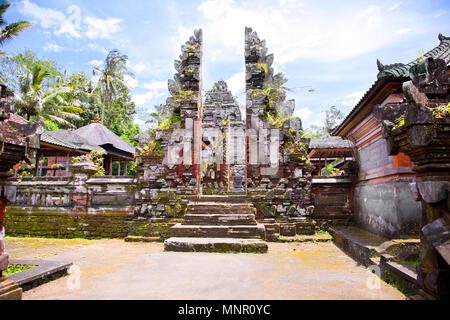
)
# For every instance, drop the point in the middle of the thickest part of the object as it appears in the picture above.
(330, 46)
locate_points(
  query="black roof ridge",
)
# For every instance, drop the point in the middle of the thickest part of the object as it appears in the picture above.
(436, 52)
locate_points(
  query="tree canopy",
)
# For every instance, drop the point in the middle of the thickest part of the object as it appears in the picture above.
(8, 31)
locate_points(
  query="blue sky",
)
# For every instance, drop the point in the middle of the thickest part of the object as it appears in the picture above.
(329, 45)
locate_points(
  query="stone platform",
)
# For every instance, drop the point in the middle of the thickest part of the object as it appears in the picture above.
(218, 224)
(215, 245)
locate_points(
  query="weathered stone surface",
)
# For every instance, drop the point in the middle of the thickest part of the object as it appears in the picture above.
(424, 137)
(219, 219)
(213, 231)
(215, 245)
(287, 229)
(9, 290)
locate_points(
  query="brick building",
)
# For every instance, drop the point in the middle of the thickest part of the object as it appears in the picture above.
(383, 201)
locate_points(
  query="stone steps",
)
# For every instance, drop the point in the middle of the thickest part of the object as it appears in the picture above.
(233, 198)
(220, 208)
(213, 231)
(219, 219)
(218, 224)
(223, 245)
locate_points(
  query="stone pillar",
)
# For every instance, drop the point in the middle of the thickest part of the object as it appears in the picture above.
(81, 195)
(186, 98)
(425, 138)
(9, 290)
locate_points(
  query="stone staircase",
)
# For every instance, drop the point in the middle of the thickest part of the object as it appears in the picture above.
(218, 224)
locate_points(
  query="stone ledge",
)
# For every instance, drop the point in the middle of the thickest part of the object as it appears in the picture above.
(9, 290)
(359, 244)
(218, 245)
(331, 180)
(142, 239)
(44, 271)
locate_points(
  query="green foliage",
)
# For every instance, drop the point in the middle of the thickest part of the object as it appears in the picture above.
(94, 157)
(275, 93)
(169, 122)
(51, 126)
(275, 120)
(399, 122)
(152, 149)
(183, 95)
(14, 69)
(16, 268)
(11, 30)
(309, 134)
(442, 111)
(111, 83)
(332, 118)
(41, 89)
(22, 169)
(331, 171)
(260, 65)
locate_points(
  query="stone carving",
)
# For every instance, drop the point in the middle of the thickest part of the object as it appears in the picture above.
(424, 136)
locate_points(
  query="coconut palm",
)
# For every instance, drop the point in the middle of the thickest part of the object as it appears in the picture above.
(111, 77)
(51, 104)
(9, 31)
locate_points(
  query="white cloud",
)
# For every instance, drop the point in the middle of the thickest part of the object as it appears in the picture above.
(395, 6)
(95, 62)
(294, 30)
(60, 23)
(402, 31)
(236, 84)
(352, 99)
(156, 85)
(131, 82)
(138, 67)
(52, 47)
(101, 28)
(439, 13)
(97, 47)
(157, 89)
(70, 23)
(310, 118)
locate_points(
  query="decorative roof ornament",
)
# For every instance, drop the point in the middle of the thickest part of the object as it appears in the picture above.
(96, 119)
(441, 37)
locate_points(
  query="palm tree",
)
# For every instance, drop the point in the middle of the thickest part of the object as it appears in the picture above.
(9, 31)
(46, 105)
(111, 77)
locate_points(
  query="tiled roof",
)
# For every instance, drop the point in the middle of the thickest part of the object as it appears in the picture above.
(17, 119)
(400, 70)
(68, 139)
(99, 135)
(330, 142)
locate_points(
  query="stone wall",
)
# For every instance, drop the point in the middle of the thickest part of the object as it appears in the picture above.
(387, 208)
(59, 224)
(333, 197)
(98, 225)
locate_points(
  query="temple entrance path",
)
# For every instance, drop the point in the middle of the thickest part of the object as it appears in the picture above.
(114, 269)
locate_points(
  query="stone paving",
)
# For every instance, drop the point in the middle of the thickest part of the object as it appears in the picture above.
(114, 269)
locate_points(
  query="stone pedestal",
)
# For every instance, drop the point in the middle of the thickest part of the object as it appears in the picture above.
(81, 198)
(9, 290)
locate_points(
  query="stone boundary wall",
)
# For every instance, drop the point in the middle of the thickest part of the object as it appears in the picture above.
(89, 225)
(333, 197)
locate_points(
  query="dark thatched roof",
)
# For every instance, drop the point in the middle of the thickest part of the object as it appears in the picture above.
(330, 142)
(68, 139)
(98, 134)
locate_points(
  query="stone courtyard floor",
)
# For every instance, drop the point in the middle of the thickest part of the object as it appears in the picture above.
(114, 269)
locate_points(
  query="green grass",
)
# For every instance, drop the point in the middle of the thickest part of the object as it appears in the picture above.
(16, 268)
